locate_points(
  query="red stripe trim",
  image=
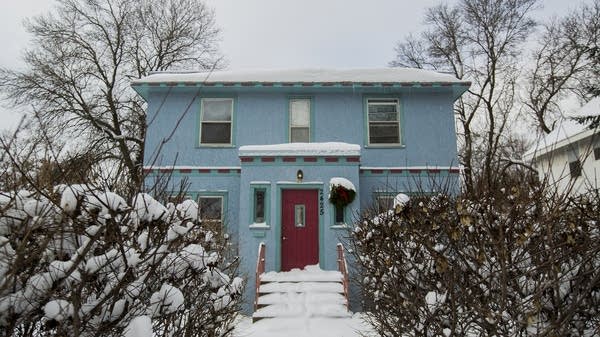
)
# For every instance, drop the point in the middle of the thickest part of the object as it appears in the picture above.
(377, 171)
(289, 159)
(246, 159)
(165, 170)
(352, 159)
(185, 170)
(331, 159)
(395, 171)
(267, 159)
(223, 170)
(310, 159)
(203, 170)
(454, 170)
(414, 170)
(147, 171)
(434, 171)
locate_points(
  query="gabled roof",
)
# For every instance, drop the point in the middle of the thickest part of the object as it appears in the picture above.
(304, 78)
(566, 131)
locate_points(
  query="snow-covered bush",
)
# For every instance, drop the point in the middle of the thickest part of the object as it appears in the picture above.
(514, 262)
(80, 261)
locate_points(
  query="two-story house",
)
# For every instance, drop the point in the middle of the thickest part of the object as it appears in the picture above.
(259, 149)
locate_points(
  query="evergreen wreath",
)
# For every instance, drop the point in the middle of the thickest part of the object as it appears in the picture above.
(341, 196)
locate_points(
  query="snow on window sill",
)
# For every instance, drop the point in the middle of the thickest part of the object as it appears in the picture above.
(260, 225)
(339, 225)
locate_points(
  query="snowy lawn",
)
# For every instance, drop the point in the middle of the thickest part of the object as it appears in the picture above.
(303, 327)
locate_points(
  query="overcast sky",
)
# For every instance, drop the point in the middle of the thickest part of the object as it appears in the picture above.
(280, 33)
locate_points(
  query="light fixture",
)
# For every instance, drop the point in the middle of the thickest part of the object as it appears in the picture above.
(299, 176)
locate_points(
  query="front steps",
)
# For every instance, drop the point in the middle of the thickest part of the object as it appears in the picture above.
(310, 292)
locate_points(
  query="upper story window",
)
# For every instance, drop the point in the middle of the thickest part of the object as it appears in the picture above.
(300, 120)
(216, 120)
(597, 153)
(384, 121)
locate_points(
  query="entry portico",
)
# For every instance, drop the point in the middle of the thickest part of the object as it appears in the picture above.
(300, 228)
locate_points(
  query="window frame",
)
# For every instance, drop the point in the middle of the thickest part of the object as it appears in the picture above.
(399, 112)
(231, 122)
(267, 203)
(310, 117)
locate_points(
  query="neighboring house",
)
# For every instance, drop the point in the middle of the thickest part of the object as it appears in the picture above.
(569, 156)
(260, 148)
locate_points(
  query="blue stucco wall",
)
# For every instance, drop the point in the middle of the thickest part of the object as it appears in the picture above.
(261, 117)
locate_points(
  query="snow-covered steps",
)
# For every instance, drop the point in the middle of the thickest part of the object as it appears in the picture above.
(310, 292)
(300, 298)
(301, 287)
(309, 273)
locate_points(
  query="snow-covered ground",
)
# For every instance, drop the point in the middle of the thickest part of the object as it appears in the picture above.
(303, 327)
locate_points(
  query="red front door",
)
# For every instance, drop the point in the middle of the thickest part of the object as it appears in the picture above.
(300, 229)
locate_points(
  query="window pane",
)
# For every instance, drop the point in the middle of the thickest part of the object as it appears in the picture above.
(211, 208)
(597, 153)
(300, 112)
(216, 109)
(216, 133)
(259, 206)
(383, 111)
(383, 116)
(339, 214)
(575, 168)
(299, 216)
(299, 135)
(384, 133)
(384, 203)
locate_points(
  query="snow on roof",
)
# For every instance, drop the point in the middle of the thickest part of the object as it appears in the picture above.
(301, 149)
(591, 108)
(375, 75)
(566, 130)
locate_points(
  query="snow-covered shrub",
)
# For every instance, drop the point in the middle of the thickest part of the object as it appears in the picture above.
(514, 262)
(79, 261)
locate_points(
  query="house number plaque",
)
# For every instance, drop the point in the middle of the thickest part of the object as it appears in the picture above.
(321, 210)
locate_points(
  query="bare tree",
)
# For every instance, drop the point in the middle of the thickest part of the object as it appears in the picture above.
(516, 261)
(83, 57)
(567, 61)
(478, 41)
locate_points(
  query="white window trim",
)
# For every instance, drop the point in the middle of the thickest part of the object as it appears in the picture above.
(290, 116)
(215, 122)
(399, 122)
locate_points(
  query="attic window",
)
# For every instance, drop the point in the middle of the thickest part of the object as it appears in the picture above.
(384, 121)
(575, 168)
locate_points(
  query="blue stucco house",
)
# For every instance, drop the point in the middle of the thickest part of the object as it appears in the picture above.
(259, 149)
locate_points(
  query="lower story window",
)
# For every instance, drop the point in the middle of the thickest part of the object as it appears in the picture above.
(259, 205)
(211, 210)
(384, 202)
